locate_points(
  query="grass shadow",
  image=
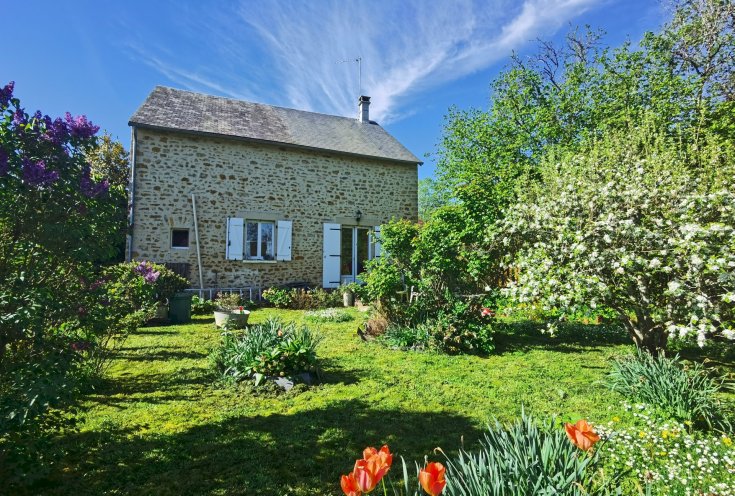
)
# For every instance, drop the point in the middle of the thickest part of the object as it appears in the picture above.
(570, 337)
(285, 454)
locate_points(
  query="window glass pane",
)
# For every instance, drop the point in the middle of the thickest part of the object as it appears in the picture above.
(251, 240)
(363, 245)
(266, 240)
(180, 238)
(346, 251)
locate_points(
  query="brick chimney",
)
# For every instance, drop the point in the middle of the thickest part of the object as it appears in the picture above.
(364, 106)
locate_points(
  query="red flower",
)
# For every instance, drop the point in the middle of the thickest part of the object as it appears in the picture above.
(432, 479)
(349, 485)
(582, 435)
(486, 312)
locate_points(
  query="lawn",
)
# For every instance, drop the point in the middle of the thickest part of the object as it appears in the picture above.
(162, 424)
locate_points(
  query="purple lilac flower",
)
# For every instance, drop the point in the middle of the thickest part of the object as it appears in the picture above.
(36, 174)
(19, 118)
(146, 270)
(89, 187)
(6, 94)
(57, 130)
(4, 166)
(80, 127)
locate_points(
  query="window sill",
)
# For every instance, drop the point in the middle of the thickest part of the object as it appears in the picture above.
(259, 261)
(179, 247)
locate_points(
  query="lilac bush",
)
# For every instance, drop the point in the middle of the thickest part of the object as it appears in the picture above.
(59, 225)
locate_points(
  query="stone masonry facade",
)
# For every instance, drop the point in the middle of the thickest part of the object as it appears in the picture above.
(237, 178)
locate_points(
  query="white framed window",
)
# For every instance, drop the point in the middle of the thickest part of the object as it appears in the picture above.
(259, 240)
(179, 238)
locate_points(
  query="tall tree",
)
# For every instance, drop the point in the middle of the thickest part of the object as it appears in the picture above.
(109, 159)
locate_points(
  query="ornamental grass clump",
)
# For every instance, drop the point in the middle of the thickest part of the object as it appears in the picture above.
(530, 458)
(682, 392)
(271, 349)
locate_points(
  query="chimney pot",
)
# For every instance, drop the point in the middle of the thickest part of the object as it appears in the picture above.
(364, 105)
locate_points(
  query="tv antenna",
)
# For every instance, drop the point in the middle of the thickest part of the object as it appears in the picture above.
(359, 72)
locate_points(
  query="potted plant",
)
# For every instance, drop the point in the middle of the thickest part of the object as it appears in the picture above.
(348, 293)
(228, 312)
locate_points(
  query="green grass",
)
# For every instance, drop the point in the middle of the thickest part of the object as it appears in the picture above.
(161, 424)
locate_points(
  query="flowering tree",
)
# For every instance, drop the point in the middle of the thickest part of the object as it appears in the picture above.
(635, 223)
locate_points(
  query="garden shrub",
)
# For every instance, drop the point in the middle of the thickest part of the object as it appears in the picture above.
(329, 315)
(271, 349)
(278, 297)
(302, 299)
(438, 261)
(201, 306)
(682, 392)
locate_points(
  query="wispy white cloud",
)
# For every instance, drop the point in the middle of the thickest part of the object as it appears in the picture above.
(291, 53)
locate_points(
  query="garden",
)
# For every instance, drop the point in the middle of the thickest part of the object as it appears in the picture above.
(561, 321)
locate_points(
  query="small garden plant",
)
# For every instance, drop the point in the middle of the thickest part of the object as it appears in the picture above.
(272, 349)
(227, 302)
(329, 315)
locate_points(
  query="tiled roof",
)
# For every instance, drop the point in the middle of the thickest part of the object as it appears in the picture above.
(170, 108)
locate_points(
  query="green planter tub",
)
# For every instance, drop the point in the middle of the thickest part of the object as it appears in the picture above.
(179, 308)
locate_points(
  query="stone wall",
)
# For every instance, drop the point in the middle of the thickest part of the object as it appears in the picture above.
(235, 178)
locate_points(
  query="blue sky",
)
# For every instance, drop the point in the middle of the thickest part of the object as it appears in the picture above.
(102, 58)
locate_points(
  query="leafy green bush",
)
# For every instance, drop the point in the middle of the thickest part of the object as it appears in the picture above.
(278, 297)
(526, 458)
(685, 393)
(329, 315)
(168, 283)
(302, 299)
(416, 337)
(269, 349)
(322, 298)
(200, 306)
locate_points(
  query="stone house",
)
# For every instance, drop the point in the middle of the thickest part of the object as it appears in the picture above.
(246, 195)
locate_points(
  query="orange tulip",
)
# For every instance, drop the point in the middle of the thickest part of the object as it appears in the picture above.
(349, 485)
(582, 435)
(379, 461)
(370, 470)
(364, 476)
(432, 479)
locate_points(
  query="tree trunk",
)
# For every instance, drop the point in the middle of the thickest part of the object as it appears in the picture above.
(646, 334)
